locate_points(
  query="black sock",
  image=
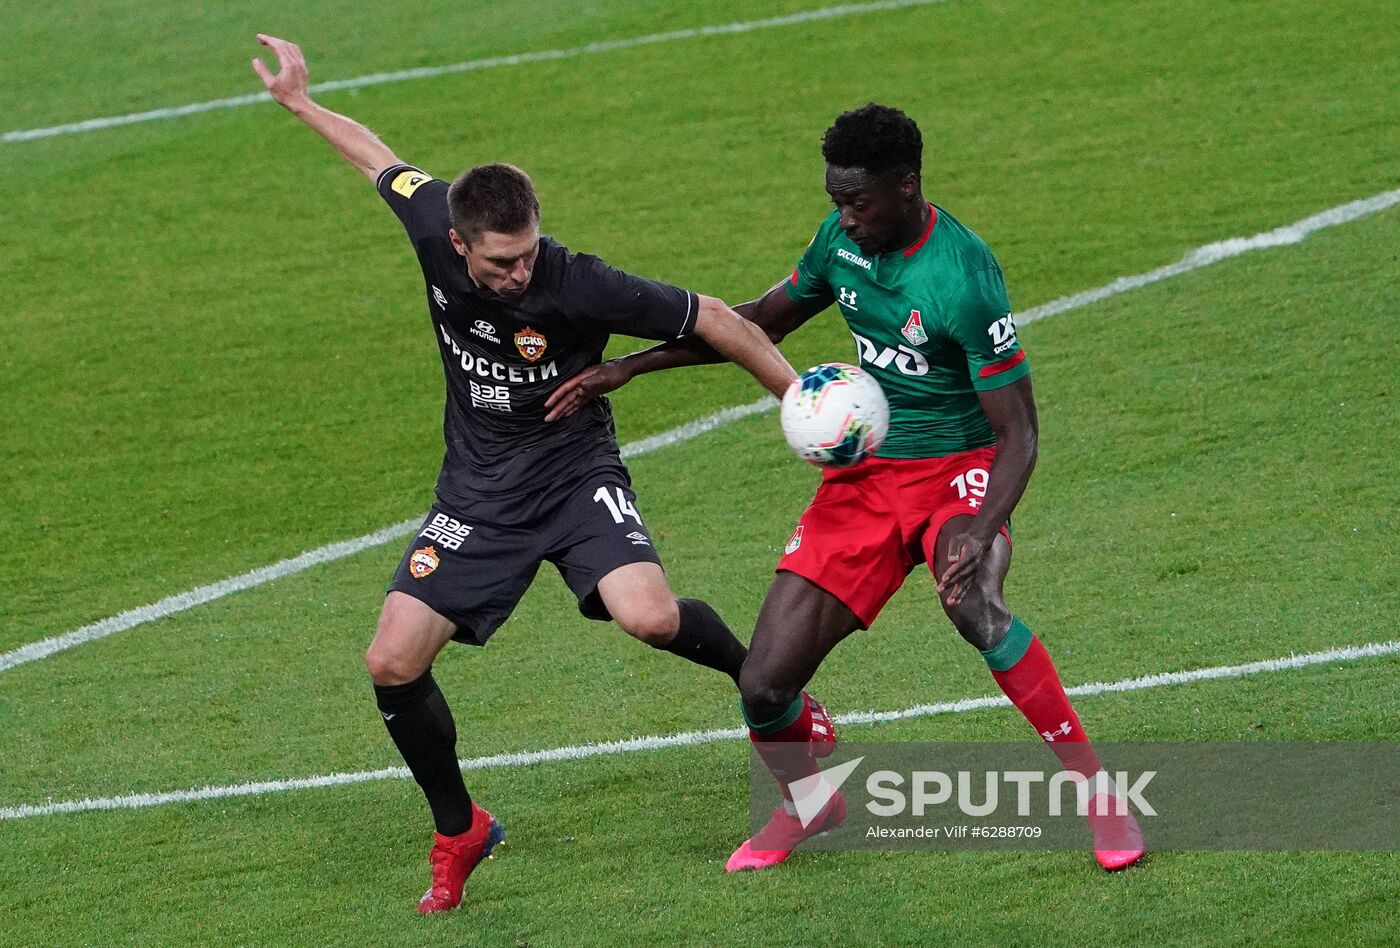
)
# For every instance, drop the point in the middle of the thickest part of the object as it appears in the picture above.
(421, 725)
(704, 639)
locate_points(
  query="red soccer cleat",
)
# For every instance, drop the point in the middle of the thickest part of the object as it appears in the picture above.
(782, 834)
(454, 857)
(1118, 841)
(823, 728)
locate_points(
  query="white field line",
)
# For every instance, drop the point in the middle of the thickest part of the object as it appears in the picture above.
(1216, 252)
(140, 801)
(516, 59)
(1200, 257)
(184, 601)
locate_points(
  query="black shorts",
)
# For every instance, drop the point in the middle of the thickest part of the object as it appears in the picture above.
(472, 564)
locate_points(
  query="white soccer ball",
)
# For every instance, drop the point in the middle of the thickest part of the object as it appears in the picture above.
(835, 415)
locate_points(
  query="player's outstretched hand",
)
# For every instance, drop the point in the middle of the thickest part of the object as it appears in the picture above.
(592, 383)
(289, 84)
(966, 551)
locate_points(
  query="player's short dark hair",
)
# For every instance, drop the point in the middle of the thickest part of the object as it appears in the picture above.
(496, 197)
(876, 139)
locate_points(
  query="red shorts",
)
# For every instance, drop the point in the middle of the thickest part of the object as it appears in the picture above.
(871, 524)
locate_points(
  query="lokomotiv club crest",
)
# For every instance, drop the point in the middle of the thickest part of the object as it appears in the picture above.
(914, 329)
(795, 542)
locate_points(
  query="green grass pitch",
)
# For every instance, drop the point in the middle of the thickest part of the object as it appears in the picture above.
(216, 357)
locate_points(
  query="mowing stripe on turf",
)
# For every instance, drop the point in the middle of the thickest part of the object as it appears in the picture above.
(181, 602)
(140, 801)
(516, 59)
(1200, 257)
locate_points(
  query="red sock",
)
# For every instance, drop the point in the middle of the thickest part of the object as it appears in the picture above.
(787, 751)
(1033, 686)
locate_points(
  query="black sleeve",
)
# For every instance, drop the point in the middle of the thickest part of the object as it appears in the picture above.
(619, 302)
(419, 200)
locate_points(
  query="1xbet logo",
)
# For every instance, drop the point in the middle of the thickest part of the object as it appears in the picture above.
(1003, 333)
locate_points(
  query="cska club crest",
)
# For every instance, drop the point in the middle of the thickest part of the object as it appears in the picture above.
(914, 329)
(423, 562)
(531, 344)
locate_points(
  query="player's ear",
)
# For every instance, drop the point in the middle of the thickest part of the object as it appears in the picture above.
(458, 243)
(909, 186)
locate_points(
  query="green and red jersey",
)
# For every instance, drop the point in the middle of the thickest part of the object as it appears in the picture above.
(931, 322)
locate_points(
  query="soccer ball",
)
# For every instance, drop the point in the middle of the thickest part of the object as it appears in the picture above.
(835, 415)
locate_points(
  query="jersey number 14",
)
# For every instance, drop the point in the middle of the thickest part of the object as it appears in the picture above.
(618, 508)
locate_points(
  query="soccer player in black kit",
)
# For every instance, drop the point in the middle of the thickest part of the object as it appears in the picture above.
(515, 313)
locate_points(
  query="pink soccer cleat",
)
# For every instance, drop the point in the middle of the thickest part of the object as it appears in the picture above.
(1118, 841)
(782, 834)
(454, 857)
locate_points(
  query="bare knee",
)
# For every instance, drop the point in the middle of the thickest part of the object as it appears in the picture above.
(981, 620)
(641, 603)
(765, 698)
(406, 641)
(386, 667)
(654, 623)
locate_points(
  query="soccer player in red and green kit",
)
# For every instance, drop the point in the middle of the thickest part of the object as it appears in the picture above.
(924, 298)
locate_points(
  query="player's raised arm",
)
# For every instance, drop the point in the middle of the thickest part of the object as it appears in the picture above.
(743, 343)
(289, 88)
(774, 313)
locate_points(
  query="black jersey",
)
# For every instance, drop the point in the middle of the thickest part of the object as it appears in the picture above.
(503, 357)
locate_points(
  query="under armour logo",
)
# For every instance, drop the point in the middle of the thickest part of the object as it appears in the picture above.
(1051, 735)
(387, 716)
(847, 297)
